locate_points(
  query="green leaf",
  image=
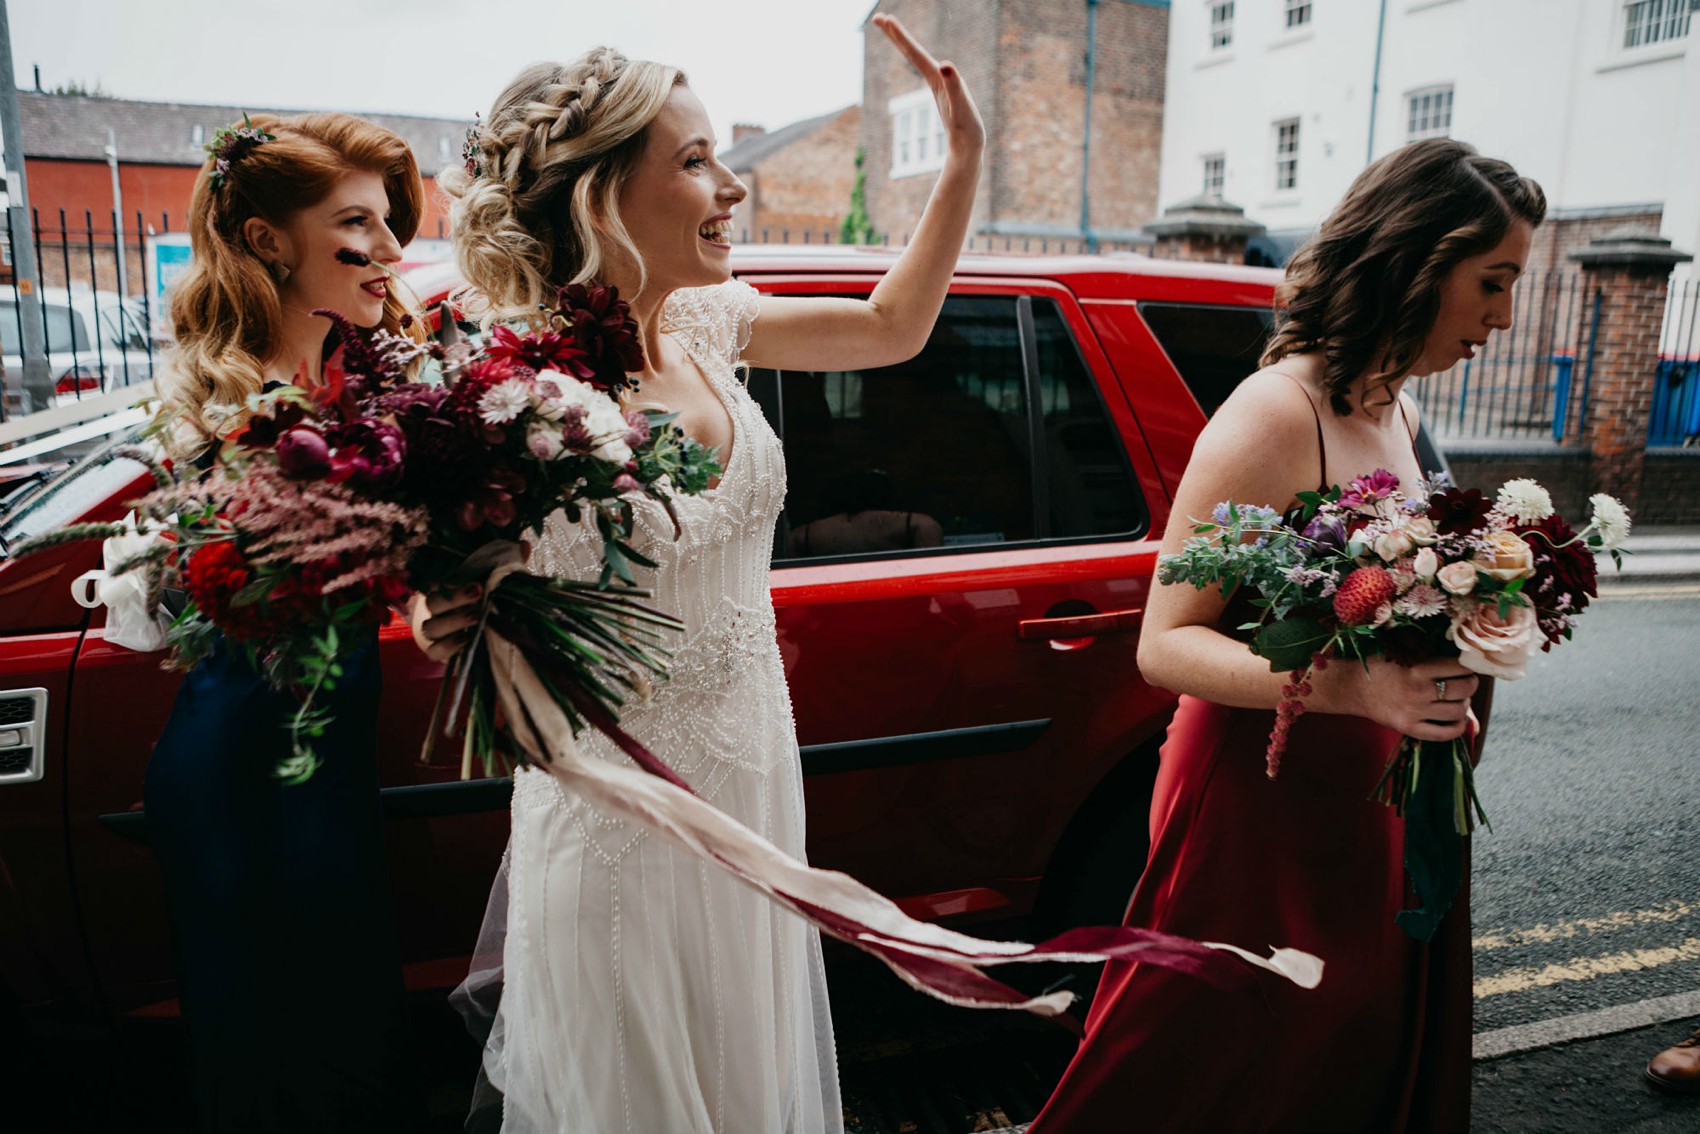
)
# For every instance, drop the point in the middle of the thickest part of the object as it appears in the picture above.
(1290, 643)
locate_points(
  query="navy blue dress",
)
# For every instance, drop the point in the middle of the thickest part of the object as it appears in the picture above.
(279, 899)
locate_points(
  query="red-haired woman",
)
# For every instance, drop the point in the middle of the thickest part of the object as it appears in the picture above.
(278, 894)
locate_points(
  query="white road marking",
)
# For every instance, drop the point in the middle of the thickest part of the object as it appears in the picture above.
(1587, 1025)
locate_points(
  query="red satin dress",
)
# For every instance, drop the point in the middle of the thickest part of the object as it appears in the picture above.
(1307, 861)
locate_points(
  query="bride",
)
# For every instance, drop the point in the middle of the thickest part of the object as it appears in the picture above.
(641, 989)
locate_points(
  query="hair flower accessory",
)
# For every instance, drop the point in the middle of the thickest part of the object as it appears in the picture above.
(230, 144)
(471, 153)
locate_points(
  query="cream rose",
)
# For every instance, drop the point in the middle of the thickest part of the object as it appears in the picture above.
(1421, 530)
(1457, 578)
(1426, 564)
(1511, 557)
(1391, 545)
(1495, 646)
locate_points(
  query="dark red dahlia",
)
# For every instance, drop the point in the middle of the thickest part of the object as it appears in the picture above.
(213, 576)
(1458, 511)
(605, 331)
(368, 452)
(1564, 565)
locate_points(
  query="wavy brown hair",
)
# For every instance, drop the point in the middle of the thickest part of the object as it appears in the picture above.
(225, 308)
(557, 147)
(1365, 290)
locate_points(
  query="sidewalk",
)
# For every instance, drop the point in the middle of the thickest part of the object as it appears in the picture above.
(1656, 555)
(1583, 1087)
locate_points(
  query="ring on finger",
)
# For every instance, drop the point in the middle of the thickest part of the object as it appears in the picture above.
(1440, 689)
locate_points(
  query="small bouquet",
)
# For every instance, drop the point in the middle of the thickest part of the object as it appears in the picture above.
(1440, 572)
(324, 506)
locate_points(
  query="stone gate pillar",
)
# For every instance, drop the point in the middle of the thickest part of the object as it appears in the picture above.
(1631, 269)
(1203, 228)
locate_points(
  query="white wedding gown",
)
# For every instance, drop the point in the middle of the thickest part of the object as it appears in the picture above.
(645, 991)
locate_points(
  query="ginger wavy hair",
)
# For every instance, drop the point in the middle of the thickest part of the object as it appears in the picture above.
(1365, 289)
(555, 151)
(225, 308)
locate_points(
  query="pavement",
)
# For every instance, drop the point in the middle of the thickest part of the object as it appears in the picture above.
(1657, 554)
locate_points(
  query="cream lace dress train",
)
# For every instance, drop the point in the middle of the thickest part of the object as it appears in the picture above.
(647, 992)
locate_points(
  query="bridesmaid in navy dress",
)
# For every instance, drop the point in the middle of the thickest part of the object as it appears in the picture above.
(279, 895)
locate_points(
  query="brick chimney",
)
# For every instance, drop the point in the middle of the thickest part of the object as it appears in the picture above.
(743, 130)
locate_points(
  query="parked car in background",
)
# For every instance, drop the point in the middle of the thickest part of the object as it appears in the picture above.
(966, 550)
(95, 341)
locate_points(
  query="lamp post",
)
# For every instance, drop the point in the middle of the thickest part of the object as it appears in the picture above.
(37, 380)
(117, 211)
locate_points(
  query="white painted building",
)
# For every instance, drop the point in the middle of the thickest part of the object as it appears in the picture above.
(1278, 104)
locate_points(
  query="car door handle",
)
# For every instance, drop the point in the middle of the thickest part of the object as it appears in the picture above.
(1079, 625)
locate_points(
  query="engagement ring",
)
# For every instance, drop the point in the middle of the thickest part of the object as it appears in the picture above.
(1440, 689)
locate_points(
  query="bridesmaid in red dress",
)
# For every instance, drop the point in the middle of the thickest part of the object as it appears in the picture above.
(1411, 274)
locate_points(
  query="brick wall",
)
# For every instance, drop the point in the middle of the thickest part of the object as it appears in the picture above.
(1670, 487)
(1025, 62)
(1560, 236)
(805, 186)
(1670, 478)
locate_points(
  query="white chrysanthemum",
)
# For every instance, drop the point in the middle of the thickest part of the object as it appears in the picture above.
(505, 401)
(1524, 501)
(1611, 519)
(1422, 601)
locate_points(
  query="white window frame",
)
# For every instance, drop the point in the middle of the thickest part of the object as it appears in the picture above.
(1296, 14)
(917, 134)
(1215, 167)
(1286, 164)
(1219, 16)
(1428, 112)
(1652, 23)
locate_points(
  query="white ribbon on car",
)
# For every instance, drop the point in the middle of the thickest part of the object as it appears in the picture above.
(130, 621)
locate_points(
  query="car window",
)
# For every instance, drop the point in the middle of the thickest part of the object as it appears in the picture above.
(68, 496)
(938, 452)
(62, 328)
(1213, 348)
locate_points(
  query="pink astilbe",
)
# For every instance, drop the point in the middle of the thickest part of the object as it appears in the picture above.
(315, 523)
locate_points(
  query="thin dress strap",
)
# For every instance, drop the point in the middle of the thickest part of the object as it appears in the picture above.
(1403, 416)
(1321, 445)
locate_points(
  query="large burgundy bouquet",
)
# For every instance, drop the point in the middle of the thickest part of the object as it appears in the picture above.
(323, 506)
(1438, 572)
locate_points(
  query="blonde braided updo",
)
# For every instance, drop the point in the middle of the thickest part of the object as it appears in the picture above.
(537, 205)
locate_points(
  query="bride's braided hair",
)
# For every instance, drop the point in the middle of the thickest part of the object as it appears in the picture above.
(536, 205)
(1365, 289)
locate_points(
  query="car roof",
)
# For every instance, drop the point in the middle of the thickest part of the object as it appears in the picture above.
(1085, 275)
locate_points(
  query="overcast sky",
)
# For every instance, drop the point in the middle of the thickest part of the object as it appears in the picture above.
(765, 61)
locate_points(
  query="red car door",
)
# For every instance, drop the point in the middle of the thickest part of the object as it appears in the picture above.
(959, 575)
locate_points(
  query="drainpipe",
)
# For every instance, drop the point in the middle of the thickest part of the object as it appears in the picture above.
(1086, 143)
(1375, 80)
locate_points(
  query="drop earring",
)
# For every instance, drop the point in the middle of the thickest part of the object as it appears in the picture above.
(279, 271)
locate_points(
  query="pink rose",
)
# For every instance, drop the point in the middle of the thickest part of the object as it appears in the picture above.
(1457, 578)
(1393, 545)
(1495, 646)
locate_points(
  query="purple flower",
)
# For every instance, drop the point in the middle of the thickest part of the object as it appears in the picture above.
(368, 452)
(1326, 534)
(638, 432)
(303, 452)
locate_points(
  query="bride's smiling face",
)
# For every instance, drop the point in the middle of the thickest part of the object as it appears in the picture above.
(678, 203)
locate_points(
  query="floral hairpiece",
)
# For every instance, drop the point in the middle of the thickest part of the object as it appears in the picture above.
(230, 144)
(471, 154)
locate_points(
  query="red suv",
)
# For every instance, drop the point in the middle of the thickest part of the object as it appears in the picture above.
(959, 574)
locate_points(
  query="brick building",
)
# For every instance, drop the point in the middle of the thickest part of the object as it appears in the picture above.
(160, 150)
(1026, 62)
(800, 177)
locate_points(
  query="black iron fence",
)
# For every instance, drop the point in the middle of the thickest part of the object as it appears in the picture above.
(1675, 416)
(1529, 383)
(100, 317)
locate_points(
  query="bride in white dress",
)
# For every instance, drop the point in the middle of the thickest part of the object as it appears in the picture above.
(644, 990)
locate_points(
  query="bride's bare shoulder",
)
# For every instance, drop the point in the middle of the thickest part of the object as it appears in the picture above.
(1280, 398)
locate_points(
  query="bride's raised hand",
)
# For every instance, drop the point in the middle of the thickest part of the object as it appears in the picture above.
(965, 133)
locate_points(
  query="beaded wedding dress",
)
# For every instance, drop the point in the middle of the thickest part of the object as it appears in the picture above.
(644, 990)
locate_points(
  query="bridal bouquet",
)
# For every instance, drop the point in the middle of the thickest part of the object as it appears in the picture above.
(323, 506)
(1439, 572)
